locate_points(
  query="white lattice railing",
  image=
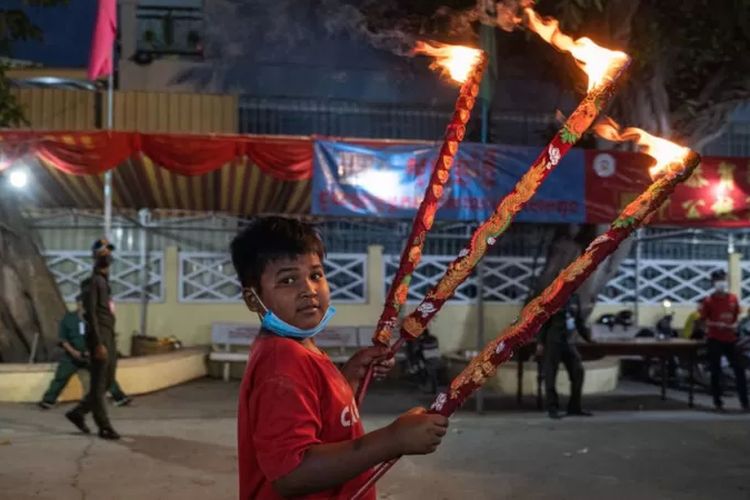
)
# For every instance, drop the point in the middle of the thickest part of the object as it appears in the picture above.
(507, 280)
(745, 281)
(72, 267)
(679, 281)
(210, 278)
(428, 273)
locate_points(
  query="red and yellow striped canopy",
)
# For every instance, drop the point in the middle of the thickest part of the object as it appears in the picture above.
(243, 175)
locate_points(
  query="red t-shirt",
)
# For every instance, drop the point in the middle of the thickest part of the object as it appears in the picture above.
(290, 399)
(720, 311)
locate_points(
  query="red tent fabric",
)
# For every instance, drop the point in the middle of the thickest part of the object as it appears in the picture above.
(244, 175)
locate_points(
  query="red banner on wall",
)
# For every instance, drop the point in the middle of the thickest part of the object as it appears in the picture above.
(717, 195)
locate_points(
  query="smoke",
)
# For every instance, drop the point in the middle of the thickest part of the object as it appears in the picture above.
(343, 17)
(385, 26)
(509, 14)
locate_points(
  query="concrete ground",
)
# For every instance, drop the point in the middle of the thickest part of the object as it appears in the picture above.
(180, 444)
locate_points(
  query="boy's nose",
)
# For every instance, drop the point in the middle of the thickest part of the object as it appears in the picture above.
(309, 288)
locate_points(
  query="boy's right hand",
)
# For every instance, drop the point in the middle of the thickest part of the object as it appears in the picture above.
(417, 432)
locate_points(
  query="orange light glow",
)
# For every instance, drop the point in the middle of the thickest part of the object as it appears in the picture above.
(456, 61)
(662, 150)
(594, 60)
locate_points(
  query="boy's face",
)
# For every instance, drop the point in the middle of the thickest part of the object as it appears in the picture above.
(296, 290)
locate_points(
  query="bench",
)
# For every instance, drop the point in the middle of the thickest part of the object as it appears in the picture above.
(339, 342)
(226, 336)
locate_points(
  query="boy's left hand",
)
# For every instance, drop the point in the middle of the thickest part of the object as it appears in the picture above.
(356, 367)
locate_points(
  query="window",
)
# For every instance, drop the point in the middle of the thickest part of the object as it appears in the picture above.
(170, 27)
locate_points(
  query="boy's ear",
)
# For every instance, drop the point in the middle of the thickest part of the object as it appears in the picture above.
(251, 301)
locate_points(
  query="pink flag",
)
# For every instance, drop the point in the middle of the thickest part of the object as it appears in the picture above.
(102, 43)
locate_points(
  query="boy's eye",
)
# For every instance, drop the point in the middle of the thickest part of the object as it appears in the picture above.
(317, 275)
(287, 280)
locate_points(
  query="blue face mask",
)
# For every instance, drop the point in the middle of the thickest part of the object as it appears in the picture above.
(280, 327)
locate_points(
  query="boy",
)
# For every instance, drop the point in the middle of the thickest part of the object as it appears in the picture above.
(299, 430)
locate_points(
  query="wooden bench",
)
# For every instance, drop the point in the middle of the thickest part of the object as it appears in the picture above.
(339, 342)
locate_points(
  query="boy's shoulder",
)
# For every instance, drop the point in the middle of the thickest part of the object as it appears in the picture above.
(280, 356)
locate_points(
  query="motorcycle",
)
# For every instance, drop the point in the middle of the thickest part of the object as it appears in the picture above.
(622, 318)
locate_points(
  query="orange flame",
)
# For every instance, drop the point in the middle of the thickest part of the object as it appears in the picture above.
(662, 150)
(594, 60)
(456, 61)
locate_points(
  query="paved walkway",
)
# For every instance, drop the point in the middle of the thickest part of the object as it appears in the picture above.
(180, 444)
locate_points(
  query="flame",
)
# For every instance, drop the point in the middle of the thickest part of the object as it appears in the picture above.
(662, 150)
(594, 60)
(455, 60)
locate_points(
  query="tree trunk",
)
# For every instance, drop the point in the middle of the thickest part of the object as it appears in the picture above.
(30, 301)
(567, 244)
(589, 291)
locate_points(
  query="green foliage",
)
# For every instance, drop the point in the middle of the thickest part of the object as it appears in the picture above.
(15, 25)
(701, 47)
(11, 113)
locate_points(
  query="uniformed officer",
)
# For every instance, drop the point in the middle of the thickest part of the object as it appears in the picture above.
(100, 338)
(73, 341)
(554, 343)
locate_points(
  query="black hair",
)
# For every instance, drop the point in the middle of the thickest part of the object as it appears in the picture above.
(718, 275)
(267, 239)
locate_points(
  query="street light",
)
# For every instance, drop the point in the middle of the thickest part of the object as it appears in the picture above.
(18, 178)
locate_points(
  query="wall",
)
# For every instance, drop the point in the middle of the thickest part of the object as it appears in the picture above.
(455, 326)
(55, 109)
(27, 382)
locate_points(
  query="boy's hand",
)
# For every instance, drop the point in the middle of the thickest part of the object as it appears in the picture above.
(417, 432)
(356, 367)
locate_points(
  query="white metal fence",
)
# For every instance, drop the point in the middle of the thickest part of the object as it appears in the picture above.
(507, 280)
(210, 277)
(72, 267)
(679, 281)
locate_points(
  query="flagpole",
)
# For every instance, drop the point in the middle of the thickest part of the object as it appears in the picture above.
(101, 62)
(108, 174)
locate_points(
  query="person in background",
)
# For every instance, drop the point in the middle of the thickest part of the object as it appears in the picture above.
(75, 357)
(554, 344)
(98, 312)
(425, 361)
(720, 311)
(694, 328)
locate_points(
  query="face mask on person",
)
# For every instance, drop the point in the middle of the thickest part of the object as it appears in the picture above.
(721, 286)
(273, 323)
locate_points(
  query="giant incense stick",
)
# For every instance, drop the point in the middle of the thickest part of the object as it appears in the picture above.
(554, 297)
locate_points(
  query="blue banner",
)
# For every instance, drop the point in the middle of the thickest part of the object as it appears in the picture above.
(389, 181)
